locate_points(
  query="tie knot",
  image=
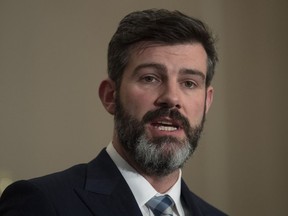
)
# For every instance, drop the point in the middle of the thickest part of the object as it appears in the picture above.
(161, 205)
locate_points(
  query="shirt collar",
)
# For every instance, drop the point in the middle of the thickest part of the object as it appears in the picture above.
(134, 179)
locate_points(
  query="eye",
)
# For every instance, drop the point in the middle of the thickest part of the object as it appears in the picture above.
(149, 79)
(190, 84)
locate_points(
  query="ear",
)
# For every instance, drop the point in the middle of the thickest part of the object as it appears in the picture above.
(107, 95)
(209, 97)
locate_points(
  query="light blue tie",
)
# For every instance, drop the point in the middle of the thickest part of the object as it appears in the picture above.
(161, 205)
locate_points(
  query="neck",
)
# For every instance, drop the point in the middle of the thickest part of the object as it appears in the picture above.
(160, 183)
(164, 183)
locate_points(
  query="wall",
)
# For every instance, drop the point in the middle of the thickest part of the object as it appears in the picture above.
(53, 56)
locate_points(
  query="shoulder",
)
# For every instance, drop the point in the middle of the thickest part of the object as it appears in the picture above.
(72, 177)
(37, 196)
(24, 198)
(198, 204)
(57, 192)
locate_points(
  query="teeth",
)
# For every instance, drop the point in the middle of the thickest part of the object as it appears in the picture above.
(164, 122)
(166, 128)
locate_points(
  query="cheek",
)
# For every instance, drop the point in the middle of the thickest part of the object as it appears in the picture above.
(195, 111)
(137, 103)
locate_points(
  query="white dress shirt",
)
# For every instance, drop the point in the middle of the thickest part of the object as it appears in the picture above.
(141, 188)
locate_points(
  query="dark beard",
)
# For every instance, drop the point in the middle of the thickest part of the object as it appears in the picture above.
(158, 156)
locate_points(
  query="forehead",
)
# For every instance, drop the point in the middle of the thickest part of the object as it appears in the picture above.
(173, 57)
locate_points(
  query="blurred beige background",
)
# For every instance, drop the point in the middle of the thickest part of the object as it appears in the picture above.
(53, 56)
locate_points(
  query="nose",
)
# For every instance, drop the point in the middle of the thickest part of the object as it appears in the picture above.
(169, 96)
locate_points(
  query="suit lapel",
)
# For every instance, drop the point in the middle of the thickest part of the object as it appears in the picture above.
(189, 202)
(106, 191)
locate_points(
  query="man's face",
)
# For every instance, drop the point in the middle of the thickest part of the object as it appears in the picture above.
(161, 105)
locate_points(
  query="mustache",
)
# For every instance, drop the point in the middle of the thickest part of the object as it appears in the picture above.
(174, 114)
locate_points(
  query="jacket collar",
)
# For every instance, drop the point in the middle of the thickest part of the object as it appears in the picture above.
(105, 191)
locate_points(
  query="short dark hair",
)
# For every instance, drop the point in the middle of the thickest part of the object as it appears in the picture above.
(159, 26)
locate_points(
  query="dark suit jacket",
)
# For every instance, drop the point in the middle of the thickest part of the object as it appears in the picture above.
(93, 189)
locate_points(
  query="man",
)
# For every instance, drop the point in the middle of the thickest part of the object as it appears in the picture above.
(160, 66)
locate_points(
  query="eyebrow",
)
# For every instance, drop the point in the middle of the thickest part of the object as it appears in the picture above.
(193, 72)
(158, 67)
(162, 68)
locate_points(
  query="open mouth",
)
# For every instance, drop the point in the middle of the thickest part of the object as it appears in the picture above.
(166, 125)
